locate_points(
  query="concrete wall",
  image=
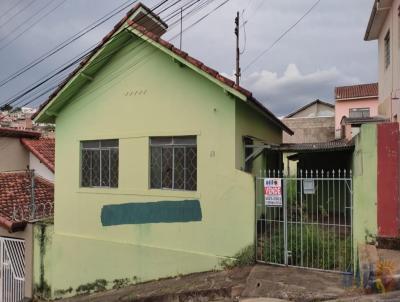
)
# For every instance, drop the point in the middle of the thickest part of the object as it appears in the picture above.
(40, 168)
(310, 130)
(42, 257)
(173, 101)
(13, 155)
(365, 226)
(389, 78)
(388, 180)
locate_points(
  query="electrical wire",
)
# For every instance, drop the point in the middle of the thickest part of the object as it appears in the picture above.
(282, 36)
(30, 26)
(66, 42)
(74, 62)
(118, 72)
(10, 9)
(17, 13)
(77, 59)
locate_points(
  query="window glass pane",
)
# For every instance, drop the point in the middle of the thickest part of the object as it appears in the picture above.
(184, 140)
(179, 168)
(114, 162)
(191, 168)
(155, 167)
(86, 163)
(95, 171)
(105, 168)
(161, 141)
(166, 168)
(90, 144)
(109, 143)
(99, 166)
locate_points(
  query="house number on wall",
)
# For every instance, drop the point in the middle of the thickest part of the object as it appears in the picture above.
(135, 92)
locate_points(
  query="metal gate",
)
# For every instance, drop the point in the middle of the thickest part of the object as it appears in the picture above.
(305, 221)
(12, 270)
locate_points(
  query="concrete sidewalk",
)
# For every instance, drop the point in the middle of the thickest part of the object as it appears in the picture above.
(272, 282)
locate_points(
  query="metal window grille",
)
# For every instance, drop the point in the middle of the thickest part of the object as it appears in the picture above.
(173, 163)
(99, 163)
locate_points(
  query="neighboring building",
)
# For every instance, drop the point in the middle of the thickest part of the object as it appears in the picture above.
(150, 165)
(312, 123)
(356, 101)
(351, 126)
(24, 233)
(23, 148)
(384, 26)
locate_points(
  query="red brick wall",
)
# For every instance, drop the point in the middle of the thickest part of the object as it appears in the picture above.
(388, 180)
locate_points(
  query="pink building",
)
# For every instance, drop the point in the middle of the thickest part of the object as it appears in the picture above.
(355, 102)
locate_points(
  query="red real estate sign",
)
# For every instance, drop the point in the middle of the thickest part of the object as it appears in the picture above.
(273, 192)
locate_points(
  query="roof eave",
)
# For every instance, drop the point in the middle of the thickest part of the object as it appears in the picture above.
(12, 226)
(376, 20)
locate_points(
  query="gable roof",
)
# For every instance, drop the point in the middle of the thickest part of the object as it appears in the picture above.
(12, 132)
(15, 198)
(169, 49)
(378, 16)
(317, 101)
(43, 148)
(356, 91)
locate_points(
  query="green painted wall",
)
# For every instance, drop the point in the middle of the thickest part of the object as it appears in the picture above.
(156, 97)
(365, 186)
(42, 258)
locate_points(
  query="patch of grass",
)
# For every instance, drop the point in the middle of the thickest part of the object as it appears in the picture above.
(244, 257)
(311, 246)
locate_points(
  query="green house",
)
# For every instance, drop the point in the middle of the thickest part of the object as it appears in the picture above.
(151, 179)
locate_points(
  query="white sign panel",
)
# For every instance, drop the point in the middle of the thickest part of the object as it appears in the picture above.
(273, 192)
(308, 186)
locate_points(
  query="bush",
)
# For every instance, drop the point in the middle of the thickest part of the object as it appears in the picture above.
(244, 257)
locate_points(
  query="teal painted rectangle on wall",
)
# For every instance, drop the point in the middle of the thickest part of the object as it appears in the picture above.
(151, 212)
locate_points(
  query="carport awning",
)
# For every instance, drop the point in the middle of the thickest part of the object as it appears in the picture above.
(335, 145)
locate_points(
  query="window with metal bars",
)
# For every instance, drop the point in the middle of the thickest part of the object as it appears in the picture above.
(359, 112)
(173, 163)
(99, 163)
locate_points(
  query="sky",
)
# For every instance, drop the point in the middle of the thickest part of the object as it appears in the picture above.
(326, 49)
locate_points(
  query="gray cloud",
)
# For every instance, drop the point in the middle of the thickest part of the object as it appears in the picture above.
(327, 47)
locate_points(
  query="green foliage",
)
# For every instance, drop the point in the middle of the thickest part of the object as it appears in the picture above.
(120, 283)
(245, 256)
(311, 246)
(96, 286)
(42, 290)
(63, 292)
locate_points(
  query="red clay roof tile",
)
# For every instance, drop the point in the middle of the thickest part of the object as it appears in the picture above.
(43, 149)
(356, 91)
(11, 132)
(15, 193)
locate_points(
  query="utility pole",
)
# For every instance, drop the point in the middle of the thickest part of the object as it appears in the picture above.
(238, 73)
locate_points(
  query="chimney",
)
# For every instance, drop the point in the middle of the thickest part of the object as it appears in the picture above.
(143, 16)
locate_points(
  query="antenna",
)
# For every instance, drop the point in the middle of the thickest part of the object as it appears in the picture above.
(238, 73)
